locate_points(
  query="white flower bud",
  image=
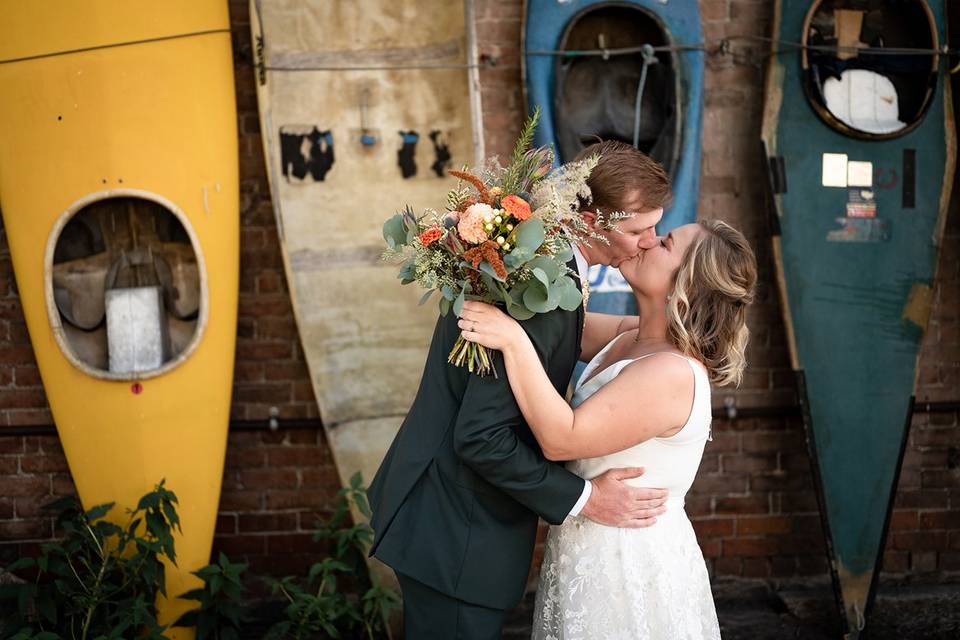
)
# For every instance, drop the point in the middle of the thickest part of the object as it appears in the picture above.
(501, 239)
(506, 246)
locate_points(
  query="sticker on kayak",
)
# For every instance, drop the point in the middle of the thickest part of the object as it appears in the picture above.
(604, 279)
(306, 153)
(861, 203)
(860, 230)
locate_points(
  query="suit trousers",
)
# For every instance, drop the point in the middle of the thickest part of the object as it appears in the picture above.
(431, 615)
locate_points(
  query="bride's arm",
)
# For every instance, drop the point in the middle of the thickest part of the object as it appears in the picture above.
(600, 328)
(649, 398)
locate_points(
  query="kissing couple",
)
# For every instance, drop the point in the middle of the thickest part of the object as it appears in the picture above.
(478, 460)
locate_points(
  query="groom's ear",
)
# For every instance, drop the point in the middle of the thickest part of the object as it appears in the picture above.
(590, 217)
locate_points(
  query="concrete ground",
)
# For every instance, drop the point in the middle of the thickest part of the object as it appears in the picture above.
(751, 610)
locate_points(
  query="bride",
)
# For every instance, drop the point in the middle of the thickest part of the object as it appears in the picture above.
(642, 401)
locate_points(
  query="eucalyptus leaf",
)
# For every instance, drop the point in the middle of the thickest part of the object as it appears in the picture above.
(458, 304)
(425, 297)
(569, 296)
(448, 292)
(395, 232)
(541, 275)
(530, 234)
(518, 257)
(539, 300)
(564, 255)
(407, 272)
(548, 265)
(444, 306)
(487, 269)
(496, 289)
(520, 312)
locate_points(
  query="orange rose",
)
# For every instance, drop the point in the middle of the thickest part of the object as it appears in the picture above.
(430, 236)
(516, 206)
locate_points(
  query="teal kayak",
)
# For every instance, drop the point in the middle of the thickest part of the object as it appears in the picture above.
(859, 140)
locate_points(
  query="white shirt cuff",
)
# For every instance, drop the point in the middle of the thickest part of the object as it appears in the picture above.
(581, 503)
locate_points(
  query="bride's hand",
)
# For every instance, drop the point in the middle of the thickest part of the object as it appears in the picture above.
(487, 325)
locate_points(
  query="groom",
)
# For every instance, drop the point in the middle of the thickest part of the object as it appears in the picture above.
(456, 500)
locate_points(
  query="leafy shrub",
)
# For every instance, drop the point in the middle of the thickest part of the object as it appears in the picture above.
(100, 580)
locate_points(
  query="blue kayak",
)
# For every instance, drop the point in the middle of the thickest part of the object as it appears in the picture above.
(859, 139)
(586, 97)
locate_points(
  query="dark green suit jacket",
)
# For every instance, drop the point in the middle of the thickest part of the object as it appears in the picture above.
(456, 499)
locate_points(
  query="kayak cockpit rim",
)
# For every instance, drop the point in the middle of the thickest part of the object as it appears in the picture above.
(829, 118)
(53, 312)
(676, 70)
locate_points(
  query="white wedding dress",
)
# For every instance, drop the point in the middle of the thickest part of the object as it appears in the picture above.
(632, 584)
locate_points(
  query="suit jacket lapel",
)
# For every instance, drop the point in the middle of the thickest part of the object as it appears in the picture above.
(581, 312)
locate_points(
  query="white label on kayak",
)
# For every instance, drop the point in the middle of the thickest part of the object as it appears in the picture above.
(834, 170)
(859, 174)
(604, 279)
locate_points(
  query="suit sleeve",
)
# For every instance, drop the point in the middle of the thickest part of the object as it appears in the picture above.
(485, 437)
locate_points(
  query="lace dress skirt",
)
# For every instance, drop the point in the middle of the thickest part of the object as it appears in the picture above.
(625, 584)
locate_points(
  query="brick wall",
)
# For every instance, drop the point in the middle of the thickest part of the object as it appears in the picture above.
(753, 504)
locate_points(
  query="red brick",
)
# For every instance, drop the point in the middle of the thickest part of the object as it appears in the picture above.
(321, 477)
(293, 543)
(238, 546)
(226, 524)
(297, 499)
(38, 529)
(245, 458)
(711, 548)
(742, 504)
(812, 565)
(43, 463)
(707, 528)
(24, 485)
(763, 525)
(30, 398)
(748, 463)
(242, 501)
(266, 392)
(896, 561)
(936, 479)
(259, 522)
(10, 445)
(751, 547)
(756, 567)
(940, 520)
(927, 541)
(728, 566)
(268, 478)
(904, 520)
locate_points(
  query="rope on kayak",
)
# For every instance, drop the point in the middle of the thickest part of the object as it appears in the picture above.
(485, 64)
(649, 58)
(722, 47)
(113, 45)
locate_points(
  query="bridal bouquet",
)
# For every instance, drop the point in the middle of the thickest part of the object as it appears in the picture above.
(505, 237)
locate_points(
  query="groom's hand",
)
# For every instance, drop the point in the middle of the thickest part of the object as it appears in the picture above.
(616, 504)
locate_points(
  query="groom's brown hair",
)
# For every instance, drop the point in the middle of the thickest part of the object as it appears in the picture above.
(621, 169)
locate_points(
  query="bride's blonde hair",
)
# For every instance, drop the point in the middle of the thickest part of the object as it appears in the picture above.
(707, 308)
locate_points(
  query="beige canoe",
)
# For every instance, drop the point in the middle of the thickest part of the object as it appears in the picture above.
(363, 107)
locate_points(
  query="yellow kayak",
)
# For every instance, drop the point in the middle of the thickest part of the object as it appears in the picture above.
(119, 191)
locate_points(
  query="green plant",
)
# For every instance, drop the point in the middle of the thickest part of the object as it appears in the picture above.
(100, 580)
(221, 612)
(319, 603)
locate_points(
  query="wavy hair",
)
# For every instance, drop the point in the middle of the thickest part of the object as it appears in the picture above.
(707, 307)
